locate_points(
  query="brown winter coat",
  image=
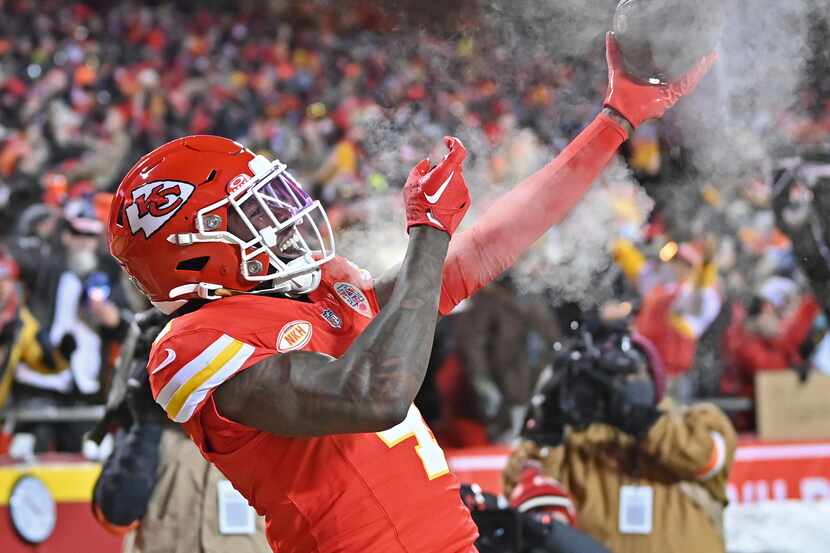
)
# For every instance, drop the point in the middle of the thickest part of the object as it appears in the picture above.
(685, 458)
(493, 333)
(183, 513)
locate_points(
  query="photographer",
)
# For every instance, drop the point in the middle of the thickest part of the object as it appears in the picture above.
(645, 476)
(156, 488)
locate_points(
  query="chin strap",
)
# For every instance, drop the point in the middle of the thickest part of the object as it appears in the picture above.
(203, 290)
(298, 285)
(515, 221)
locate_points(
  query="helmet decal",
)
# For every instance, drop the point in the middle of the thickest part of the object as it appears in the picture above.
(155, 203)
(257, 226)
(239, 181)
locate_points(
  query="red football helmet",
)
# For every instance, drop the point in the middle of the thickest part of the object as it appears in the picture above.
(542, 497)
(203, 213)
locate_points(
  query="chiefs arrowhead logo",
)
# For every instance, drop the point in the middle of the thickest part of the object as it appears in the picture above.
(155, 203)
(294, 335)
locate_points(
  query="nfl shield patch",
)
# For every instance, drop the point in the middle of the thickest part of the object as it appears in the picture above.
(332, 318)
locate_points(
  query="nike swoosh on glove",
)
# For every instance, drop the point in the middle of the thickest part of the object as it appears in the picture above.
(438, 197)
(639, 102)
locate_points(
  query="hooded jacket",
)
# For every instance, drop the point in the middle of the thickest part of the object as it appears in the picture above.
(684, 460)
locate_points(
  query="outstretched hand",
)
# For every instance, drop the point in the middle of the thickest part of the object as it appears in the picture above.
(639, 102)
(438, 196)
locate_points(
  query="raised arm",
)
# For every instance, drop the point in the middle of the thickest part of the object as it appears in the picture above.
(519, 218)
(514, 222)
(372, 386)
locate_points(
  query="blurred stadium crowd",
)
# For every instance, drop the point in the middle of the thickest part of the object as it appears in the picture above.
(84, 91)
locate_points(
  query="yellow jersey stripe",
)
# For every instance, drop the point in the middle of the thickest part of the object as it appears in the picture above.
(181, 395)
(193, 367)
(231, 368)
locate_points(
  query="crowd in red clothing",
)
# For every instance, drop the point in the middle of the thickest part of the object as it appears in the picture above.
(350, 99)
(767, 337)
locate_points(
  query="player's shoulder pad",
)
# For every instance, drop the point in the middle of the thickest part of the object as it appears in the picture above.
(184, 367)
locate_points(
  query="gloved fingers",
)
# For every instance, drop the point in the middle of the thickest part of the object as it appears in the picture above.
(457, 152)
(688, 82)
(613, 55)
(440, 175)
(420, 169)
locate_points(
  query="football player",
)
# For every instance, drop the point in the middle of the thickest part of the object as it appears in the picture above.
(292, 369)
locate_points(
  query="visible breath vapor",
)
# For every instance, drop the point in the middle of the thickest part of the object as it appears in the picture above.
(571, 258)
(728, 127)
(735, 120)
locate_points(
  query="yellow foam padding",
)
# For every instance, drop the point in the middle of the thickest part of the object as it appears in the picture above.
(68, 482)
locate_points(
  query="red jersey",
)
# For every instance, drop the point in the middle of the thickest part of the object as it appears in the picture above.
(382, 492)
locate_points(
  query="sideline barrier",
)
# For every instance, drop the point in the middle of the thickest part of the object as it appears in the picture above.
(762, 471)
(69, 479)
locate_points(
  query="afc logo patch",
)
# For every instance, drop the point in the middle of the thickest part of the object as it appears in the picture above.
(155, 203)
(353, 297)
(332, 318)
(294, 335)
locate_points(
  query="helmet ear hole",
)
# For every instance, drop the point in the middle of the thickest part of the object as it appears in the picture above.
(193, 264)
(210, 177)
(119, 217)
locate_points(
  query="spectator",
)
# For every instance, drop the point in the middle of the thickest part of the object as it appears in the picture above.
(21, 337)
(768, 334)
(677, 307)
(503, 340)
(72, 296)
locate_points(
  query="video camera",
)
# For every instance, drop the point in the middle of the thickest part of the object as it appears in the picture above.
(585, 377)
(499, 531)
(503, 529)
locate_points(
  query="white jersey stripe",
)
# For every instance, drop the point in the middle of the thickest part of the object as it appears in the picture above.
(192, 368)
(198, 395)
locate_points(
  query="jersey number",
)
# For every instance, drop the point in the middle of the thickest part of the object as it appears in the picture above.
(431, 454)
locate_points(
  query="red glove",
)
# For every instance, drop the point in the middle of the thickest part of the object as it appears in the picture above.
(438, 197)
(640, 102)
